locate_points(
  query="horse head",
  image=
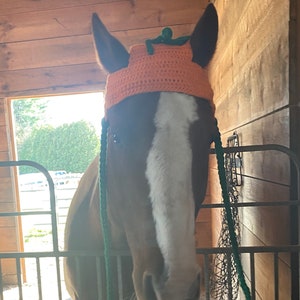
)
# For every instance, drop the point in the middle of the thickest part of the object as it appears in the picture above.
(161, 124)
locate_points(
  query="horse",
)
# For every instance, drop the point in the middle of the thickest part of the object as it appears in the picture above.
(161, 124)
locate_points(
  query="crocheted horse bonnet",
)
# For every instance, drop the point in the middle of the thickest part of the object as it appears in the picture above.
(169, 69)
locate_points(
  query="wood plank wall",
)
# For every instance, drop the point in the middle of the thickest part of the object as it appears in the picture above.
(250, 77)
(46, 46)
(46, 49)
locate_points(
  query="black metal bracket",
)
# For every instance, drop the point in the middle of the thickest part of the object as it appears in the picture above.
(234, 162)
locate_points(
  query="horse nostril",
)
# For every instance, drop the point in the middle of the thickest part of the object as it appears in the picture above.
(116, 138)
(149, 288)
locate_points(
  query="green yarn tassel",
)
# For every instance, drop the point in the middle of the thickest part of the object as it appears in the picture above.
(234, 243)
(103, 210)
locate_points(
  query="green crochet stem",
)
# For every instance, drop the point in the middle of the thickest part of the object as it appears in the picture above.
(165, 38)
(233, 239)
(103, 210)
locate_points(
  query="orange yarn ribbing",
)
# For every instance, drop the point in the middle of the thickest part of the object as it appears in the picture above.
(169, 69)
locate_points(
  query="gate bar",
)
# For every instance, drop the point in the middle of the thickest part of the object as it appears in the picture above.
(52, 211)
(43, 170)
(294, 249)
(1, 282)
(276, 276)
(252, 274)
(39, 277)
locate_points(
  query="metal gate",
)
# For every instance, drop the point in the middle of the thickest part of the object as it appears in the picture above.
(56, 254)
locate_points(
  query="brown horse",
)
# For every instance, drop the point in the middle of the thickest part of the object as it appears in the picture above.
(157, 164)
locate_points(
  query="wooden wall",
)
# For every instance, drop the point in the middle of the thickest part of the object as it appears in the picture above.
(250, 77)
(46, 49)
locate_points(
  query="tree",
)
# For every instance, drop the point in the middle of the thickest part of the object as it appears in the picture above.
(69, 147)
(28, 114)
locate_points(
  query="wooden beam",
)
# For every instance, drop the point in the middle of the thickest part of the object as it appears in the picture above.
(2, 115)
(58, 65)
(117, 16)
(69, 50)
(52, 81)
(47, 53)
(25, 6)
(3, 139)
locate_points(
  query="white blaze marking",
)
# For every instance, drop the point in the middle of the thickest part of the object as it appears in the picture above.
(170, 178)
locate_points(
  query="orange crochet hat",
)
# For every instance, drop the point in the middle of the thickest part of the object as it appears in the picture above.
(169, 69)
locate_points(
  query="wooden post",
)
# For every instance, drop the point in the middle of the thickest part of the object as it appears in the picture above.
(294, 81)
(11, 240)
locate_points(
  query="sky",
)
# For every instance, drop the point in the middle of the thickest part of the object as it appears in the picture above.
(72, 108)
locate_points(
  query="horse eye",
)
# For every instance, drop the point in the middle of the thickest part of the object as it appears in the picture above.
(116, 139)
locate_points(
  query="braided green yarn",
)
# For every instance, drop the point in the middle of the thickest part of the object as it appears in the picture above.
(223, 183)
(103, 210)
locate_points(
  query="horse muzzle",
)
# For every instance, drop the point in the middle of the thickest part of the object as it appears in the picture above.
(163, 290)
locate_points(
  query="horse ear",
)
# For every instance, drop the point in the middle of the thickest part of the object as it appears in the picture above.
(204, 38)
(111, 53)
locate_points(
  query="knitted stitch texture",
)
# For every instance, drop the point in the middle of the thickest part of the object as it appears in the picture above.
(169, 69)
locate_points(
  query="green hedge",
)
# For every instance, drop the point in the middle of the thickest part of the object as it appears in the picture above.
(70, 147)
